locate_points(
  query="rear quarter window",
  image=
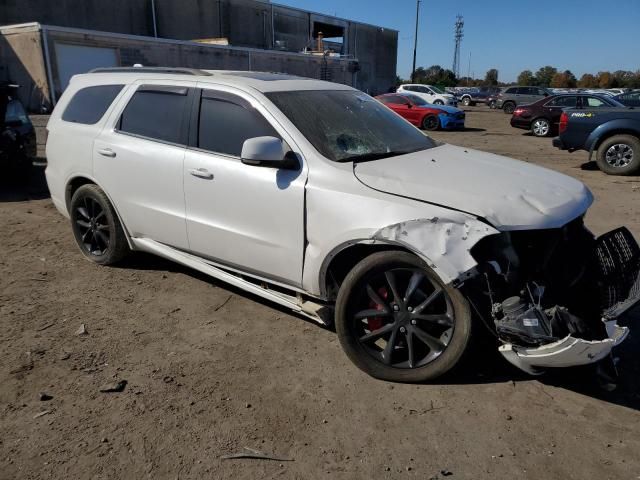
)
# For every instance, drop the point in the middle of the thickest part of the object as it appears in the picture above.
(89, 104)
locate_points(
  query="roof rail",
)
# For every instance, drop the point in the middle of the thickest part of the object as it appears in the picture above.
(171, 70)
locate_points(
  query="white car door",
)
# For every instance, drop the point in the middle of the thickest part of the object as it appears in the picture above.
(138, 159)
(244, 216)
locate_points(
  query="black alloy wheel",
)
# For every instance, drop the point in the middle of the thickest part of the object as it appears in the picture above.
(96, 227)
(397, 321)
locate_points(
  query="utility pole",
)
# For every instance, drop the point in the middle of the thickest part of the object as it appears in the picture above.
(415, 43)
(459, 25)
(469, 70)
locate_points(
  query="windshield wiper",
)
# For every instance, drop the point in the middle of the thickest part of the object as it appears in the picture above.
(375, 155)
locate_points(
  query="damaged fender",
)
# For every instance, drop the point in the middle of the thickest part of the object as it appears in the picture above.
(444, 242)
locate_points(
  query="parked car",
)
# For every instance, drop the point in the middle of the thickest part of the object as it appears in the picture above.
(422, 114)
(17, 135)
(429, 93)
(613, 134)
(478, 95)
(317, 197)
(492, 99)
(542, 117)
(630, 99)
(511, 97)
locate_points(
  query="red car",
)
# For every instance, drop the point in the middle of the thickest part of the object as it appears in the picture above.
(420, 115)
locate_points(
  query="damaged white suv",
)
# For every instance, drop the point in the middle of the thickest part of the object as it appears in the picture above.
(318, 197)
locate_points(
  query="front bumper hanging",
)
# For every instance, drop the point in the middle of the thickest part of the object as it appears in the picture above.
(618, 257)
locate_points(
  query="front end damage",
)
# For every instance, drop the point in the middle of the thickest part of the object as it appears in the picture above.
(553, 297)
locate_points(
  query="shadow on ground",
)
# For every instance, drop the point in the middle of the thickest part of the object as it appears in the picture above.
(17, 186)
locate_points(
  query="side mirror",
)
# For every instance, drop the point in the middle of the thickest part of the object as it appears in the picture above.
(409, 105)
(267, 152)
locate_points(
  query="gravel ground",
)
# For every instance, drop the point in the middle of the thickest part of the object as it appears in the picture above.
(211, 370)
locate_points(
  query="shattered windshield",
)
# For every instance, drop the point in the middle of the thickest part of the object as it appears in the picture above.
(347, 125)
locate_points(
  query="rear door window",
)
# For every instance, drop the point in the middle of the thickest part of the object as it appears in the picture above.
(16, 113)
(156, 112)
(594, 102)
(564, 102)
(226, 121)
(89, 104)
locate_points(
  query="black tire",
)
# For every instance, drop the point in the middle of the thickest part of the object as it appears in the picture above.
(438, 102)
(619, 155)
(430, 122)
(492, 105)
(541, 127)
(509, 107)
(96, 226)
(466, 101)
(356, 336)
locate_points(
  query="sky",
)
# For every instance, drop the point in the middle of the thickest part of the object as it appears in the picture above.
(584, 36)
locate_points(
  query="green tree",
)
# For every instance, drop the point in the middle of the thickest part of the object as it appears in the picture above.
(491, 78)
(526, 78)
(545, 74)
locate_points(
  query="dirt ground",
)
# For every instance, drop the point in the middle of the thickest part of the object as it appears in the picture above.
(212, 370)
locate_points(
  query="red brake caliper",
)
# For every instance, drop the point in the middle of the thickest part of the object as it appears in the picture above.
(375, 323)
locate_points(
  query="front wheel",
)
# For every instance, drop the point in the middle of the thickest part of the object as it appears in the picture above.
(509, 107)
(438, 102)
(430, 122)
(619, 155)
(397, 321)
(466, 101)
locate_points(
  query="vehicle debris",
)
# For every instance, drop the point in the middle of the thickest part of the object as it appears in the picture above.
(82, 330)
(114, 387)
(251, 453)
(42, 414)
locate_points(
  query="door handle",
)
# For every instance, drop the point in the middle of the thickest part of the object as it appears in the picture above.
(201, 173)
(106, 152)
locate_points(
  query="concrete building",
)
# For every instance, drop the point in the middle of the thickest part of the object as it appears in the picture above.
(44, 43)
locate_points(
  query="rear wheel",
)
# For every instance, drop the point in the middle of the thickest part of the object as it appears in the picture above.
(397, 321)
(541, 127)
(438, 102)
(509, 107)
(466, 101)
(430, 122)
(619, 155)
(96, 227)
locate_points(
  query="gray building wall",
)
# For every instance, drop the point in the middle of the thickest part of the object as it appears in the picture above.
(22, 62)
(246, 23)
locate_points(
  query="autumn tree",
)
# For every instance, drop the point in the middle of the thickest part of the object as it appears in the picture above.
(565, 79)
(588, 81)
(605, 79)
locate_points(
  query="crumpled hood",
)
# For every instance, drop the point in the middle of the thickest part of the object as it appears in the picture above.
(510, 194)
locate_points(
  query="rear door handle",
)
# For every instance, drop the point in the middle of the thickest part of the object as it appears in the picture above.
(201, 173)
(106, 152)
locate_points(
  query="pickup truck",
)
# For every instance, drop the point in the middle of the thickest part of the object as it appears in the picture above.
(477, 95)
(612, 133)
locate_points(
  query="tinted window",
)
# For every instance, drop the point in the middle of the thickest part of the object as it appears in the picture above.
(225, 125)
(409, 88)
(594, 102)
(563, 102)
(511, 90)
(89, 104)
(156, 112)
(540, 91)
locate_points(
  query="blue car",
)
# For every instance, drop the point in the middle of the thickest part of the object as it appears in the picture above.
(450, 117)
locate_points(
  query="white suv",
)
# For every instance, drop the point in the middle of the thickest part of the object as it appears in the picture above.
(319, 198)
(430, 94)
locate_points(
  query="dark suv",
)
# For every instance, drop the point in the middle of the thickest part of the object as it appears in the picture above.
(511, 97)
(17, 135)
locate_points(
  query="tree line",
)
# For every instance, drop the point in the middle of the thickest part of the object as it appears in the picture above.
(546, 76)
